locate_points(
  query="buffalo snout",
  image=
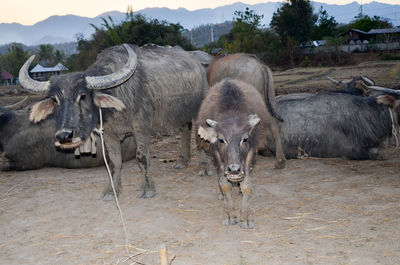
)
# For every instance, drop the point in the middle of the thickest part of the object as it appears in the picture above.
(64, 135)
(234, 169)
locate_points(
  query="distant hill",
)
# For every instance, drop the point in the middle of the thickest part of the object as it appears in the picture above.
(56, 29)
(68, 48)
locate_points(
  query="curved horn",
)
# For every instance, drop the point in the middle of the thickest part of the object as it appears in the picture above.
(27, 82)
(18, 105)
(384, 90)
(367, 80)
(117, 78)
(333, 80)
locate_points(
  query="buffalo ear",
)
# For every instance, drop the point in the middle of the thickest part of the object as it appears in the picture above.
(102, 100)
(208, 134)
(389, 100)
(254, 120)
(40, 110)
(211, 123)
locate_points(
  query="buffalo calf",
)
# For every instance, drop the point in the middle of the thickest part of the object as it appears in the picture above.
(232, 125)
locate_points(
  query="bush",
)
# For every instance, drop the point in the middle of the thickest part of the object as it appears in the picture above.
(389, 57)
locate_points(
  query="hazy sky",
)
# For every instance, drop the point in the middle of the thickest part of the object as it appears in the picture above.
(28, 12)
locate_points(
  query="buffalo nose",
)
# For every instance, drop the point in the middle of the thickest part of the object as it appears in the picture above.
(64, 135)
(234, 169)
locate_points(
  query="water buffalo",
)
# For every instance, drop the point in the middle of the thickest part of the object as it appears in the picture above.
(251, 70)
(25, 146)
(204, 58)
(142, 90)
(333, 124)
(232, 125)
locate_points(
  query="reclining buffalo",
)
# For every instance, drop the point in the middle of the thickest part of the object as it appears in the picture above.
(332, 124)
(141, 90)
(25, 146)
(233, 123)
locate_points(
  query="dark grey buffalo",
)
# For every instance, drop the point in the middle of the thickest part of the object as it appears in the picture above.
(251, 70)
(334, 124)
(141, 90)
(25, 146)
(232, 125)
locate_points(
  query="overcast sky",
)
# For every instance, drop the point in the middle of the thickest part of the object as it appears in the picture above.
(28, 12)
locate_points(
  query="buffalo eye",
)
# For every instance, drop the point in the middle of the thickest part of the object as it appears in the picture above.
(244, 141)
(221, 141)
(81, 97)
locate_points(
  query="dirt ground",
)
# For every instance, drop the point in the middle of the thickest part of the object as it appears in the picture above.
(315, 211)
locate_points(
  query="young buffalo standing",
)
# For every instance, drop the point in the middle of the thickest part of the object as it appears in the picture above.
(250, 69)
(232, 125)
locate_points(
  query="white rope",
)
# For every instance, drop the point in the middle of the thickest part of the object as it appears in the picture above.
(100, 131)
(394, 131)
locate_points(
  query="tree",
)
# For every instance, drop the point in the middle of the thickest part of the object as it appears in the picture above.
(325, 26)
(59, 56)
(249, 18)
(13, 60)
(136, 29)
(294, 19)
(366, 23)
(46, 56)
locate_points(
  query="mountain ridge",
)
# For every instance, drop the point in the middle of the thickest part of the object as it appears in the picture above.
(57, 28)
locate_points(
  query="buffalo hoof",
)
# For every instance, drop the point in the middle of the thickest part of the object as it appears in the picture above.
(281, 163)
(203, 172)
(230, 221)
(146, 193)
(108, 197)
(247, 225)
(108, 194)
(374, 154)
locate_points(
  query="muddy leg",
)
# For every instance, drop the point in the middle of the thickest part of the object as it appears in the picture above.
(228, 202)
(113, 147)
(184, 158)
(275, 129)
(246, 188)
(204, 165)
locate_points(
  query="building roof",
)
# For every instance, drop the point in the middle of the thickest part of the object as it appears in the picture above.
(40, 69)
(375, 31)
(355, 30)
(6, 75)
(384, 31)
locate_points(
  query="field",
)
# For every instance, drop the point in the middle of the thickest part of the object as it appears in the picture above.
(315, 211)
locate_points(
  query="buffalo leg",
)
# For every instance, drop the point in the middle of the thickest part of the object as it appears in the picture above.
(147, 187)
(246, 189)
(113, 147)
(226, 187)
(204, 165)
(184, 158)
(275, 129)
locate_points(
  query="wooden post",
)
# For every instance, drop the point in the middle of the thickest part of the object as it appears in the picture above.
(162, 251)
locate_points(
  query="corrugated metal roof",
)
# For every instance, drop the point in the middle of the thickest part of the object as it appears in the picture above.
(384, 31)
(40, 69)
(359, 31)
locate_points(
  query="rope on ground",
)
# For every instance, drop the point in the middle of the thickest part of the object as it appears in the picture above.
(101, 131)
